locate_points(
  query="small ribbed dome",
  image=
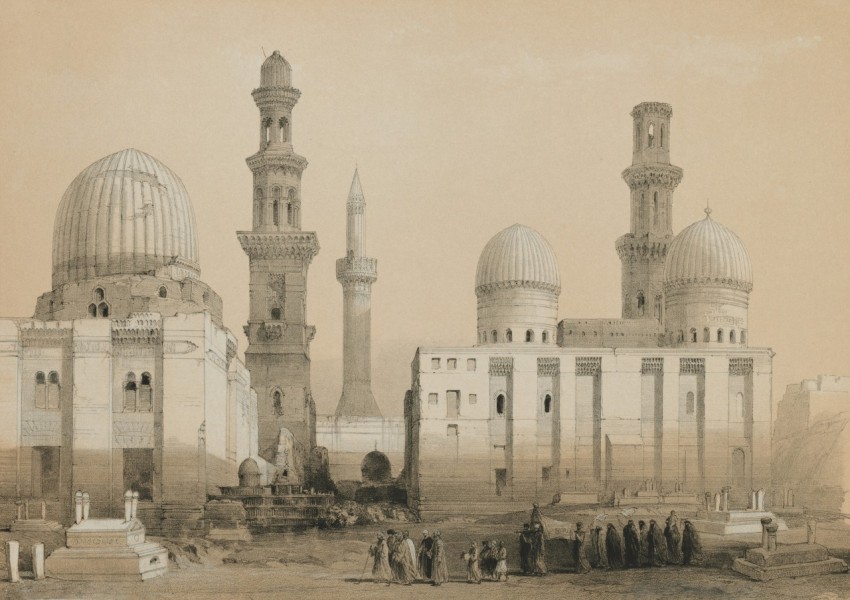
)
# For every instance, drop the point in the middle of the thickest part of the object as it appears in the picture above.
(276, 72)
(707, 253)
(127, 213)
(248, 467)
(518, 257)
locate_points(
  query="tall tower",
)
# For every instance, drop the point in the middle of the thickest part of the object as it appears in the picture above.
(357, 272)
(651, 179)
(278, 353)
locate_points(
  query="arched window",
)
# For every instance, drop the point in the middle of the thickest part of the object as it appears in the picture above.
(693, 335)
(661, 136)
(98, 295)
(547, 404)
(290, 208)
(277, 403)
(40, 390)
(651, 135)
(509, 336)
(500, 404)
(743, 336)
(103, 309)
(258, 205)
(719, 335)
(275, 314)
(706, 335)
(689, 403)
(145, 394)
(267, 129)
(655, 208)
(284, 129)
(494, 336)
(529, 336)
(545, 337)
(732, 336)
(130, 393)
(740, 406)
(53, 390)
(637, 136)
(163, 292)
(92, 310)
(681, 337)
(276, 206)
(641, 303)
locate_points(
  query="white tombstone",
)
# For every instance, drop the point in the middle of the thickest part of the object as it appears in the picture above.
(717, 502)
(135, 506)
(753, 502)
(128, 505)
(86, 505)
(38, 560)
(78, 507)
(760, 500)
(12, 550)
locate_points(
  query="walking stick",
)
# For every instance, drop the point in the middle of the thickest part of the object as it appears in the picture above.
(363, 572)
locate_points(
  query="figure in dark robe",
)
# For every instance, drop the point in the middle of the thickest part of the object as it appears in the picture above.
(643, 536)
(500, 572)
(614, 547)
(440, 565)
(473, 572)
(486, 560)
(525, 549)
(425, 555)
(691, 545)
(631, 544)
(381, 565)
(657, 545)
(538, 552)
(673, 539)
(599, 550)
(582, 565)
(536, 517)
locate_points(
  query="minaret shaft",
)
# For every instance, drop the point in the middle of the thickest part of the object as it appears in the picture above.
(357, 272)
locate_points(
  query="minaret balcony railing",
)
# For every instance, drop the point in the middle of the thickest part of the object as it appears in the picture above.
(357, 266)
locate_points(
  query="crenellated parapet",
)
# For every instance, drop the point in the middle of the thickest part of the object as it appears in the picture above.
(359, 269)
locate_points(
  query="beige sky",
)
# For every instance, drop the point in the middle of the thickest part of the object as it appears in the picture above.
(464, 117)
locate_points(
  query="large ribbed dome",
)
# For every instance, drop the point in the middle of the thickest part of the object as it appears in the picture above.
(707, 253)
(275, 72)
(518, 257)
(127, 213)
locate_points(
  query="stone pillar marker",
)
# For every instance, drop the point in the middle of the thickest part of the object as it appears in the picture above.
(20, 508)
(717, 502)
(760, 499)
(38, 560)
(27, 510)
(725, 491)
(78, 507)
(86, 505)
(128, 505)
(811, 531)
(771, 535)
(134, 507)
(43, 510)
(12, 550)
(764, 523)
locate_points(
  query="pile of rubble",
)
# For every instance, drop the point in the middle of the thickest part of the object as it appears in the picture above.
(348, 513)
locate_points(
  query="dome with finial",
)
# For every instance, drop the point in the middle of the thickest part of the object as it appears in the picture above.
(276, 71)
(707, 253)
(518, 257)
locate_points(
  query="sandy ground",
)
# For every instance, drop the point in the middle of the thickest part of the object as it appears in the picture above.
(329, 564)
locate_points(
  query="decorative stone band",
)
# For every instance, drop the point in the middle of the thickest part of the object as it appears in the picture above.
(695, 282)
(508, 285)
(501, 365)
(692, 366)
(655, 108)
(548, 365)
(297, 244)
(740, 366)
(231, 350)
(639, 176)
(143, 328)
(359, 268)
(651, 365)
(588, 365)
(355, 207)
(271, 96)
(263, 162)
(632, 249)
(31, 336)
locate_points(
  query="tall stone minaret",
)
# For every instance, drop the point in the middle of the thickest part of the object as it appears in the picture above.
(652, 180)
(356, 272)
(278, 353)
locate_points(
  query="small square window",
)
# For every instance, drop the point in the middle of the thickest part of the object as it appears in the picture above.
(473, 398)
(470, 364)
(432, 398)
(451, 364)
(435, 363)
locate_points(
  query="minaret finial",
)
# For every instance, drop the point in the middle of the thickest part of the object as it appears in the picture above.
(707, 209)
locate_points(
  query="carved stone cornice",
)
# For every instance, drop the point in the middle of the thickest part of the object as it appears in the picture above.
(144, 328)
(548, 365)
(280, 244)
(45, 338)
(359, 269)
(740, 366)
(698, 282)
(266, 97)
(501, 365)
(231, 350)
(639, 176)
(275, 162)
(632, 248)
(588, 365)
(509, 285)
(655, 108)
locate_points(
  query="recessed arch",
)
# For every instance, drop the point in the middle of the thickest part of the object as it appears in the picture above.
(277, 403)
(720, 335)
(376, 468)
(547, 403)
(163, 291)
(529, 335)
(509, 336)
(500, 404)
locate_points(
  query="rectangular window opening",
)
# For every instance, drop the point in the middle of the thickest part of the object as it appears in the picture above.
(138, 471)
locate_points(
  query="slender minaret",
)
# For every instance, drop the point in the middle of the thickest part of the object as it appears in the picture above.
(278, 353)
(651, 179)
(356, 272)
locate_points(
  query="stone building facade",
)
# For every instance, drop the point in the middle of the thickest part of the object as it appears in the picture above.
(671, 392)
(279, 252)
(126, 377)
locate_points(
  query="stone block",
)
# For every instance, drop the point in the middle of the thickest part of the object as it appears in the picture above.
(821, 567)
(787, 555)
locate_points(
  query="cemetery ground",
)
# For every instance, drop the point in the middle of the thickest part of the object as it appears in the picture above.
(330, 564)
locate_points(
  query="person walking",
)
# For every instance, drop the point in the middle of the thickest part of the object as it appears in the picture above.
(381, 566)
(439, 566)
(473, 572)
(582, 565)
